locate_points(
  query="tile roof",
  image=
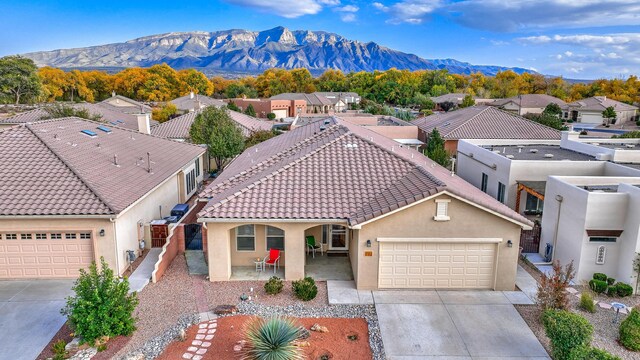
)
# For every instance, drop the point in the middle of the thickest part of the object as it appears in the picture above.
(312, 99)
(26, 117)
(186, 103)
(135, 107)
(453, 97)
(600, 103)
(484, 122)
(178, 128)
(51, 168)
(344, 172)
(530, 101)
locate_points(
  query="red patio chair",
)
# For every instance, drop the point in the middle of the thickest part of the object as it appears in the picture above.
(273, 259)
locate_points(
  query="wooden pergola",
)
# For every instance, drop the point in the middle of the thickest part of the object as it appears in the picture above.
(535, 188)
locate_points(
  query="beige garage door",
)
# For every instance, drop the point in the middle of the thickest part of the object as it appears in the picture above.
(281, 114)
(44, 254)
(431, 265)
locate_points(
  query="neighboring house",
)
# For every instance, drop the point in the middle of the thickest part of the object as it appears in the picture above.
(75, 190)
(341, 100)
(594, 222)
(23, 118)
(527, 104)
(138, 122)
(402, 220)
(126, 105)
(589, 111)
(178, 128)
(316, 103)
(193, 102)
(403, 132)
(481, 122)
(282, 109)
(457, 98)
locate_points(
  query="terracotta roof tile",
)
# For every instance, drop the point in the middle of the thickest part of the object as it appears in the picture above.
(484, 122)
(54, 169)
(187, 103)
(26, 117)
(530, 101)
(178, 128)
(331, 169)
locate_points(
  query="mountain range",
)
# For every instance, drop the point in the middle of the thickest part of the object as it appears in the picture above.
(243, 51)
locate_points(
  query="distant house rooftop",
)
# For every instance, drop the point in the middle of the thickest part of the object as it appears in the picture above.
(187, 102)
(600, 103)
(530, 101)
(538, 152)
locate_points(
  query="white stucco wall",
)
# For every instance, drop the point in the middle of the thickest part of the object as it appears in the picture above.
(630, 238)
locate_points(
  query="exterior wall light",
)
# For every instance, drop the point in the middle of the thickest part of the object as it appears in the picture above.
(509, 243)
(101, 232)
(368, 243)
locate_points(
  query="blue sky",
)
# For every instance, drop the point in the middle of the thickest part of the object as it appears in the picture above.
(581, 39)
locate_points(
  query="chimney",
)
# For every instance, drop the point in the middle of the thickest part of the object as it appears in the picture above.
(113, 94)
(191, 95)
(144, 125)
(196, 105)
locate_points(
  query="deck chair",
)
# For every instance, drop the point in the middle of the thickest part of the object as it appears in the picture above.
(311, 245)
(273, 259)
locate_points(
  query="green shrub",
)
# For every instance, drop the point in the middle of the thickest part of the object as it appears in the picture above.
(630, 331)
(612, 290)
(305, 289)
(566, 331)
(611, 281)
(274, 285)
(271, 116)
(271, 339)
(598, 286)
(102, 305)
(586, 302)
(590, 353)
(59, 350)
(600, 276)
(624, 290)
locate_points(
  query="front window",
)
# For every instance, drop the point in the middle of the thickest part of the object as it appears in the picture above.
(25, 236)
(10, 236)
(70, 236)
(603, 239)
(246, 238)
(501, 191)
(275, 238)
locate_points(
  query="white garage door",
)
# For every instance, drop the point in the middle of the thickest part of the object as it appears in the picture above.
(433, 265)
(44, 254)
(281, 114)
(588, 118)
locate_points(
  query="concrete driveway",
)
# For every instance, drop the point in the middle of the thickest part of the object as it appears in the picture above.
(453, 325)
(30, 315)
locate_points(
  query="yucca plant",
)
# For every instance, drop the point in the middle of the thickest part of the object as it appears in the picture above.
(271, 339)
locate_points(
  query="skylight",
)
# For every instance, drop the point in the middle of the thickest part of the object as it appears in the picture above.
(104, 128)
(113, 123)
(89, 133)
(120, 121)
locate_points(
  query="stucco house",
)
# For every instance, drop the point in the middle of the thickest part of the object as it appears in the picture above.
(481, 122)
(125, 104)
(281, 108)
(398, 219)
(316, 103)
(593, 221)
(527, 103)
(192, 102)
(589, 110)
(75, 190)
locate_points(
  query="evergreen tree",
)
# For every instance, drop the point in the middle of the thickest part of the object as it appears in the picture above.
(435, 149)
(250, 111)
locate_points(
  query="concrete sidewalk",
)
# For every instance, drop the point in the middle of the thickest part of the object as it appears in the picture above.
(527, 284)
(142, 275)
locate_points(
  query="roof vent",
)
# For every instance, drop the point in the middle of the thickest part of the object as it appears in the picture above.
(104, 128)
(446, 124)
(89, 133)
(630, 146)
(533, 151)
(351, 146)
(520, 146)
(496, 151)
(510, 156)
(548, 156)
(327, 121)
(322, 128)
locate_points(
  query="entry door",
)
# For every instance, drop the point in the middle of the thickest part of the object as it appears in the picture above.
(338, 238)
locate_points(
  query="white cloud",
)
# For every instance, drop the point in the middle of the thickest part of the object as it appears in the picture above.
(348, 17)
(512, 15)
(611, 54)
(347, 12)
(348, 8)
(287, 8)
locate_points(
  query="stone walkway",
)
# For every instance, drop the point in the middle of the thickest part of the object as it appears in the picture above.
(142, 275)
(202, 341)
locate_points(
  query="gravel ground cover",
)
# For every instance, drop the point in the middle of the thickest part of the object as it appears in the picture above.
(164, 307)
(605, 332)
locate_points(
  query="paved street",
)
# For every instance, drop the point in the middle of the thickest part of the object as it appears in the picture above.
(30, 315)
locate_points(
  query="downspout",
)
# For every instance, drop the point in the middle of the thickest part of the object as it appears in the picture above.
(559, 199)
(115, 237)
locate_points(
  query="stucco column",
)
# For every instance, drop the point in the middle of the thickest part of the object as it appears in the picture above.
(294, 253)
(219, 252)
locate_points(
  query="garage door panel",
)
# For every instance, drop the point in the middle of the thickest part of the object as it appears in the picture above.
(443, 265)
(44, 258)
